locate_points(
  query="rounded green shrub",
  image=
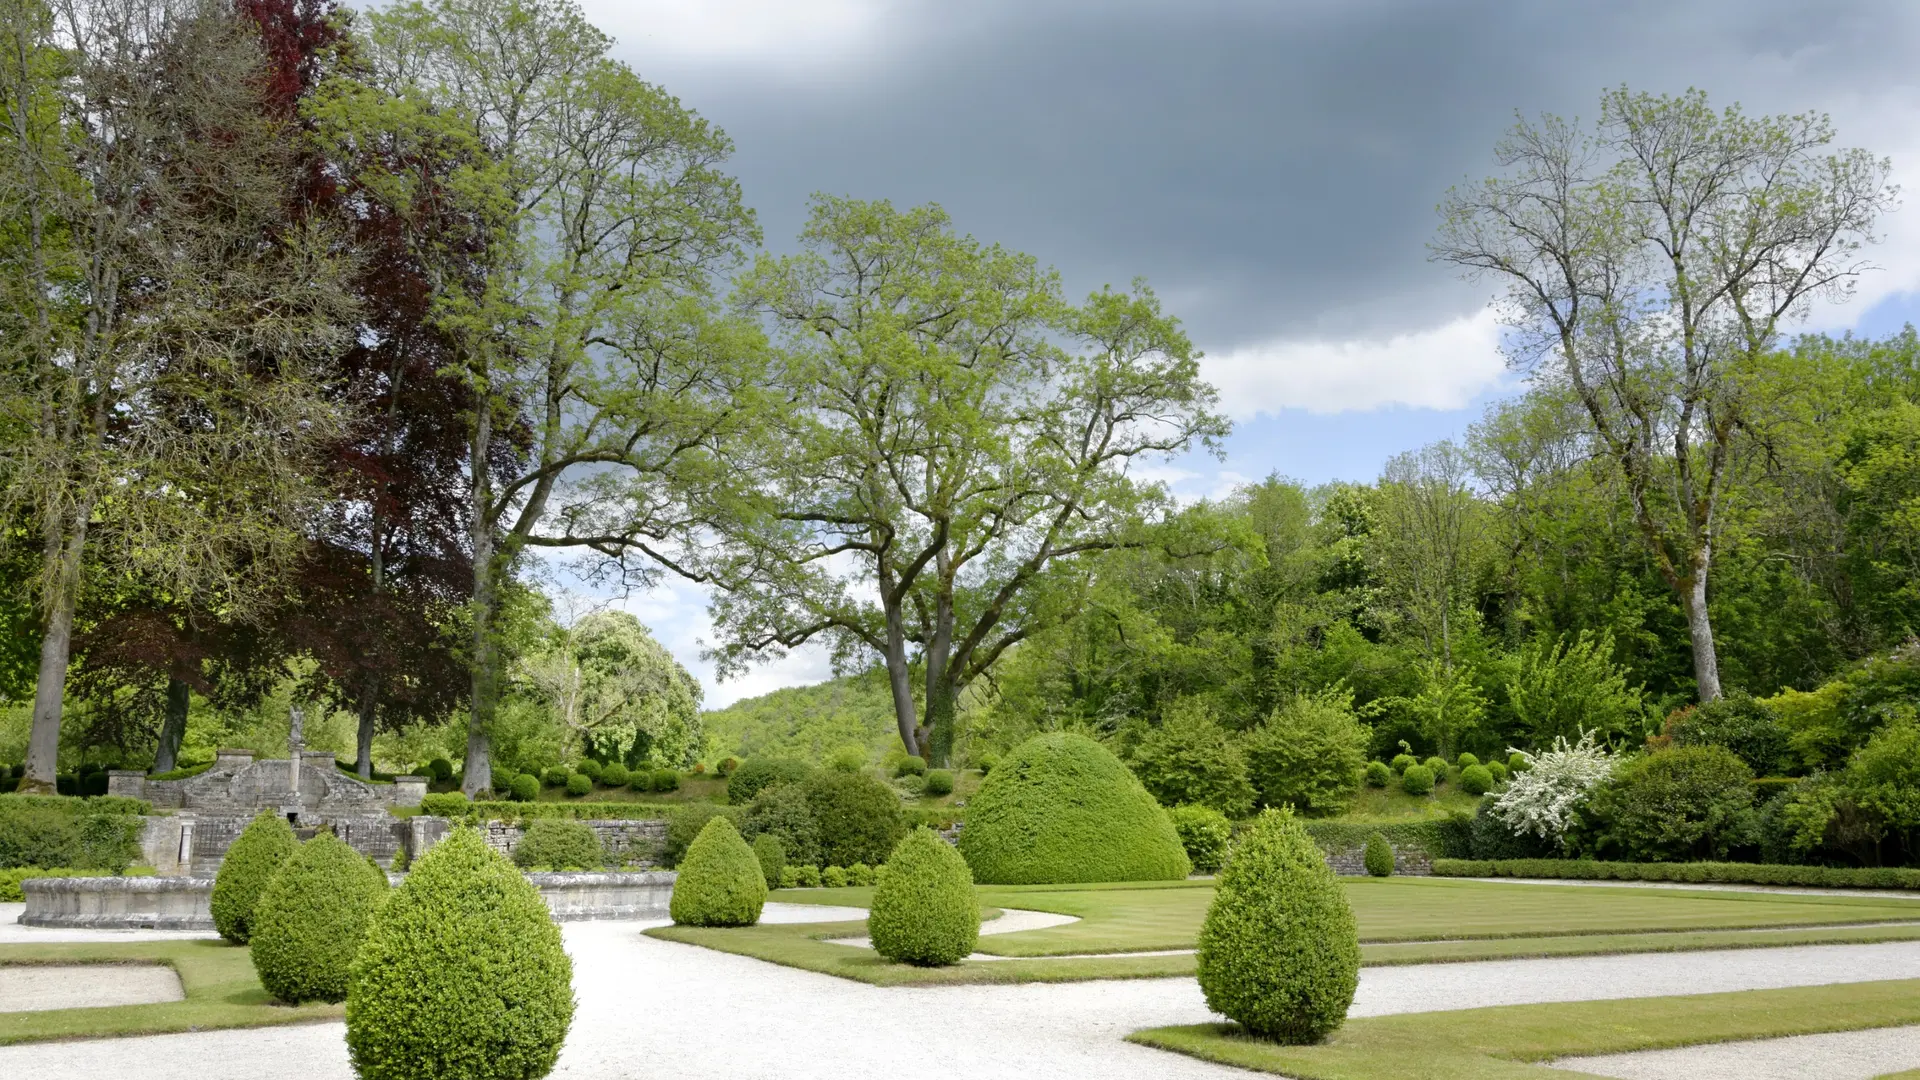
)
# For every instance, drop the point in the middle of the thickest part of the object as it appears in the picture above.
(1498, 771)
(721, 882)
(578, 784)
(1476, 780)
(640, 780)
(556, 776)
(939, 782)
(727, 765)
(462, 974)
(856, 817)
(1378, 856)
(834, 877)
(1378, 774)
(987, 763)
(848, 759)
(525, 787)
(807, 875)
(309, 922)
(252, 860)
(685, 822)
(790, 877)
(589, 769)
(1518, 762)
(1466, 760)
(666, 780)
(1417, 780)
(859, 874)
(1439, 767)
(772, 856)
(1279, 951)
(924, 911)
(1061, 808)
(750, 777)
(1204, 833)
(1402, 762)
(445, 804)
(911, 765)
(616, 775)
(559, 844)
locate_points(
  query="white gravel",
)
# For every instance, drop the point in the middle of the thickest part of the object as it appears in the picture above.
(12, 933)
(33, 988)
(655, 1008)
(1011, 921)
(1841, 1055)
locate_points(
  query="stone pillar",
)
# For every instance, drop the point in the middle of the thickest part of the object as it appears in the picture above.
(186, 844)
(127, 783)
(409, 790)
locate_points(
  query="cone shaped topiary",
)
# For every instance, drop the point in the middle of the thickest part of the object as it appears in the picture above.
(924, 911)
(250, 863)
(1378, 856)
(1279, 950)
(310, 920)
(721, 882)
(1061, 808)
(462, 974)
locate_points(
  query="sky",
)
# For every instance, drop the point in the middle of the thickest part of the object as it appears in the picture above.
(1271, 167)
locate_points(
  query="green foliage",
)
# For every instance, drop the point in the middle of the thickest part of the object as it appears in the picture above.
(1737, 721)
(664, 780)
(1378, 774)
(939, 782)
(525, 787)
(1497, 771)
(1417, 780)
(49, 831)
(588, 768)
(772, 856)
(250, 863)
(1311, 754)
(1692, 873)
(1061, 808)
(755, 774)
(1279, 951)
(1476, 780)
(721, 882)
(857, 818)
(924, 911)
(860, 875)
(1688, 802)
(806, 876)
(1204, 833)
(462, 974)
(557, 844)
(784, 811)
(1439, 767)
(1563, 687)
(1379, 856)
(450, 804)
(1884, 777)
(848, 759)
(439, 770)
(807, 723)
(910, 765)
(685, 822)
(790, 876)
(1402, 762)
(833, 877)
(308, 924)
(579, 784)
(556, 776)
(1189, 759)
(1466, 760)
(11, 893)
(615, 775)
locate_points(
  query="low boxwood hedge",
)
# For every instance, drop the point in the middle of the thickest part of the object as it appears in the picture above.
(101, 833)
(521, 812)
(559, 845)
(1692, 873)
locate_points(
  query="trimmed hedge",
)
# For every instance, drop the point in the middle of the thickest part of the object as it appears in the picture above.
(857, 818)
(1060, 808)
(1692, 873)
(939, 782)
(772, 855)
(101, 833)
(1279, 951)
(1379, 775)
(1450, 837)
(311, 919)
(579, 784)
(924, 911)
(1379, 856)
(684, 824)
(1205, 833)
(251, 862)
(1476, 779)
(447, 804)
(11, 893)
(474, 813)
(721, 882)
(559, 845)
(1417, 780)
(462, 974)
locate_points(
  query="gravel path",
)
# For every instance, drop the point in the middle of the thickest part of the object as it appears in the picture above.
(1841, 1055)
(33, 988)
(12, 933)
(1011, 921)
(654, 1009)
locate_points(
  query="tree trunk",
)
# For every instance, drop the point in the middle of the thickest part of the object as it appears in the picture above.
(477, 771)
(899, 678)
(173, 726)
(62, 553)
(363, 738)
(940, 703)
(1706, 662)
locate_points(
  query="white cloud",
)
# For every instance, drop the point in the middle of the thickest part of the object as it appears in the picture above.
(1441, 368)
(778, 31)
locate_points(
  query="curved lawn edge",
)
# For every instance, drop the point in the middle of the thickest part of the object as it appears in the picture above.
(1508, 1042)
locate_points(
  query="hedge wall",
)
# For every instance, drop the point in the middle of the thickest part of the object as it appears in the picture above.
(1440, 838)
(52, 831)
(523, 812)
(1693, 873)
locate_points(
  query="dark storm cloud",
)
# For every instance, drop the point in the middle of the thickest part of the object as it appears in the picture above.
(1271, 168)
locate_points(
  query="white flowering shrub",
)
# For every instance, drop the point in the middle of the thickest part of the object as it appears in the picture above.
(1542, 800)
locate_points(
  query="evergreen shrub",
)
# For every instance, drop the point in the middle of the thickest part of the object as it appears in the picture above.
(556, 776)
(666, 780)
(808, 875)
(857, 817)
(1466, 760)
(848, 759)
(578, 784)
(1402, 762)
(1204, 833)
(924, 910)
(753, 775)
(445, 804)
(1378, 858)
(772, 856)
(721, 882)
(1518, 762)
(790, 877)
(1378, 774)
(1061, 808)
(1191, 759)
(525, 787)
(462, 974)
(1311, 754)
(1691, 873)
(439, 770)
(728, 765)
(1417, 780)
(859, 874)
(252, 860)
(910, 765)
(616, 775)
(685, 822)
(1476, 780)
(783, 811)
(308, 924)
(1686, 802)
(559, 844)
(589, 769)
(1498, 771)
(1439, 767)
(46, 831)
(939, 782)
(834, 877)
(1279, 951)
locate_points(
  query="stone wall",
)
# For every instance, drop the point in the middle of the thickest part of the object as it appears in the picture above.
(1351, 862)
(626, 840)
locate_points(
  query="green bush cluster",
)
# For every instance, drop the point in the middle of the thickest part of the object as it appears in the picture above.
(1692, 873)
(806, 876)
(1279, 952)
(555, 776)
(910, 765)
(721, 882)
(1747, 727)
(1687, 802)
(1476, 780)
(589, 769)
(654, 780)
(308, 924)
(1417, 780)
(833, 877)
(830, 818)
(1378, 858)
(462, 974)
(939, 782)
(1061, 808)
(772, 856)
(1204, 833)
(99, 833)
(1190, 759)
(524, 787)
(250, 863)
(750, 777)
(616, 775)
(1402, 762)
(1379, 775)
(579, 784)
(860, 874)
(685, 822)
(559, 844)
(1311, 754)
(924, 911)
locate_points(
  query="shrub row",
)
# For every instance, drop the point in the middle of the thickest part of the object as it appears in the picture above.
(808, 876)
(49, 831)
(1440, 838)
(456, 806)
(1693, 873)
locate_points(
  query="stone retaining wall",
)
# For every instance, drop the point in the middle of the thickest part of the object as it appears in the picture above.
(1352, 862)
(625, 840)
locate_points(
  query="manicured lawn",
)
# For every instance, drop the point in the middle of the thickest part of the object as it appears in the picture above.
(1506, 1043)
(221, 992)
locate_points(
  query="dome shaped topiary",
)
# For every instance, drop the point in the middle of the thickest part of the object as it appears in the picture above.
(461, 975)
(1061, 808)
(721, 882)
(559, 844)
(1378, 774)
(579, 784)
(1417, 780)
(1476, 780)
(1378, 856)
(615, 775)
(524, 788)
(1205, 833)
(251, 862)
(924, 911)
(1279, 951)
(1402, 762)
(310, 920)
(1466, 760)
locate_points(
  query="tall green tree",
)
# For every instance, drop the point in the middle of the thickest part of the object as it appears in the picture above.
(1654, 260)
(960, 444)
(617, 691)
